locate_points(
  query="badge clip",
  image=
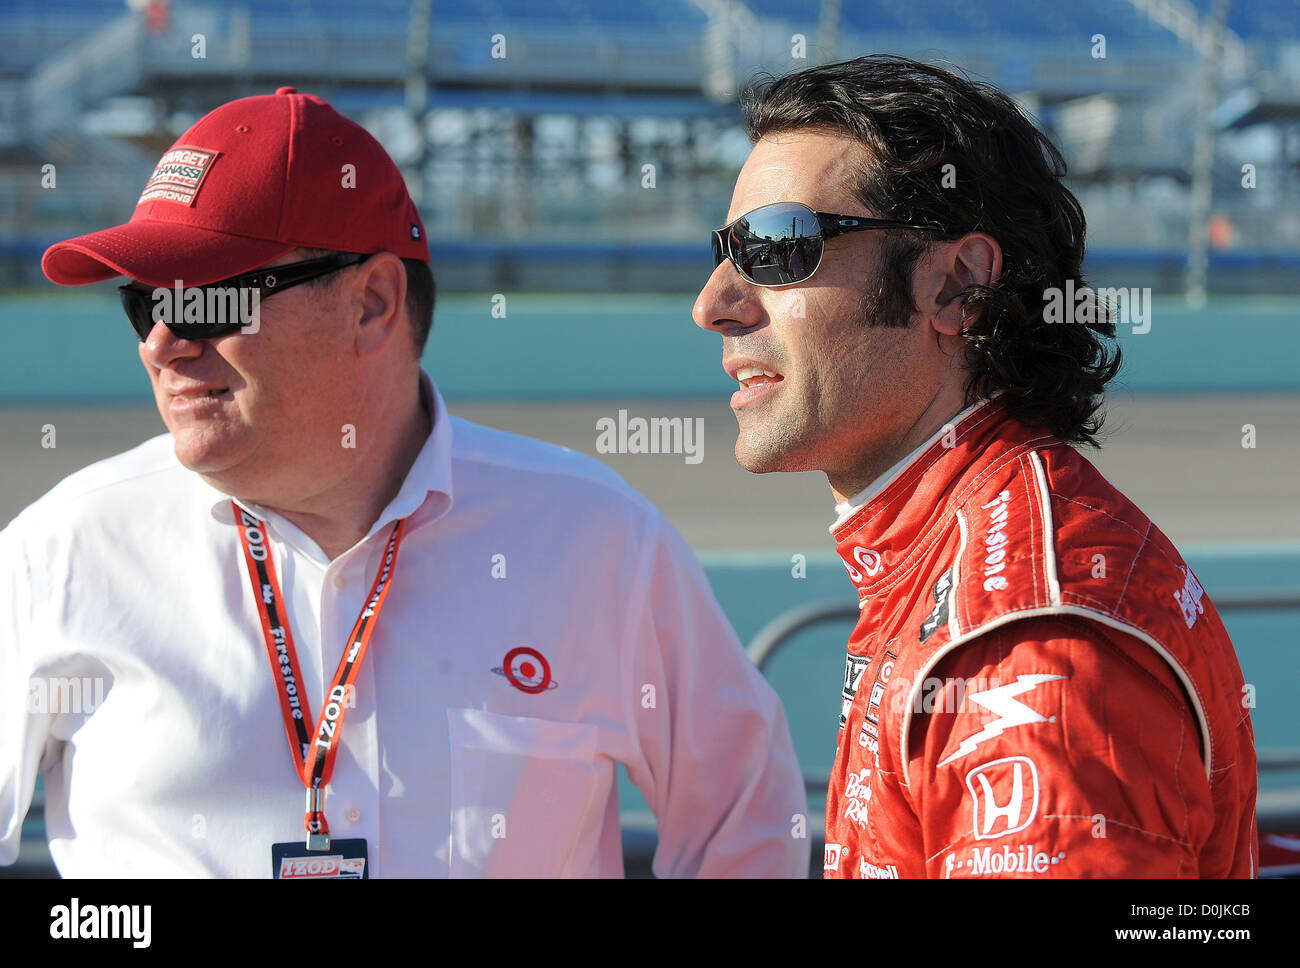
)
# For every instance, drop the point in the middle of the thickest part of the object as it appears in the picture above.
(316, 806)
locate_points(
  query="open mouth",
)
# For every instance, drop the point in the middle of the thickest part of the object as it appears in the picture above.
(756, 382)
(753, 376)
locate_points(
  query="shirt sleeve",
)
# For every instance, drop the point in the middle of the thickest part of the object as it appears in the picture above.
(24, 725)
(716, 762)
(1058, 748)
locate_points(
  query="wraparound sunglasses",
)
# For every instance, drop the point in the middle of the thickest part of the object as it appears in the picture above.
(783, 243)
(139, 303)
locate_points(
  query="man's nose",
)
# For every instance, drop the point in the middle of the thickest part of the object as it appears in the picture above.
(163, 347)
(726, 303)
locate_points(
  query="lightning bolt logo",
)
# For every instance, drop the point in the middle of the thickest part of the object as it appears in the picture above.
(1002, 703)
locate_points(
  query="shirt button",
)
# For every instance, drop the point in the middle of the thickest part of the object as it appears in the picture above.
(353, 815)
(339, 580)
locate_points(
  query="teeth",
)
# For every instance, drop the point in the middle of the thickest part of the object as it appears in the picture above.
(749, 372)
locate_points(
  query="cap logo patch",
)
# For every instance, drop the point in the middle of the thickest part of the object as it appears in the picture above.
(178, 175)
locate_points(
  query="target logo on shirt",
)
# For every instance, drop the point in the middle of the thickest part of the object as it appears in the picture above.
(527, 670)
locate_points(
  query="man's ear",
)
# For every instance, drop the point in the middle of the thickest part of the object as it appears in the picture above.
(379, 291)
(947, 270)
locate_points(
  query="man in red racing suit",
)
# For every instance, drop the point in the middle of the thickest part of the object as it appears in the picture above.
(1037, 686)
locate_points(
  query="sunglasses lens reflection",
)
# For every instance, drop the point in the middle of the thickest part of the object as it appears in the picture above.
(778, 244)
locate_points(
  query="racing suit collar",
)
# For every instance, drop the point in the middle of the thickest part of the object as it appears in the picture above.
(847, 509)
(881, 535)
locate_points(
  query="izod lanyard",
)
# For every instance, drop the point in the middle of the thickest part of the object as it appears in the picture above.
(313, 755)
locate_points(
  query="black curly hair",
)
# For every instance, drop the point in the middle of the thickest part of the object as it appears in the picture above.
(916, 120)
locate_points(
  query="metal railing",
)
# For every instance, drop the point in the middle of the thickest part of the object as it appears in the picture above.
(1276, 810)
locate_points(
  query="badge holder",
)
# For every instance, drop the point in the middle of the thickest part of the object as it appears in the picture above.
(344, 860)
(320, 858)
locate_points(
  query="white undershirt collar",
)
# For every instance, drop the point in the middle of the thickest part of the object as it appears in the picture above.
(846, 509)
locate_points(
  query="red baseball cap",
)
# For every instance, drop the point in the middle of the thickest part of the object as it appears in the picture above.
(250, 181)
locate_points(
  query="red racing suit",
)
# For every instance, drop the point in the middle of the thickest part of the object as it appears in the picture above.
(1038, 686)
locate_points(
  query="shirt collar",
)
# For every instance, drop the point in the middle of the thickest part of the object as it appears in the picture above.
(427, 487)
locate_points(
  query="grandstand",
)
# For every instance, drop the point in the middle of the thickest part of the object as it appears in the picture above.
(548, 141)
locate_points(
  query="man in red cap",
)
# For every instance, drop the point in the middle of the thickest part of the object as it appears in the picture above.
(460, 632)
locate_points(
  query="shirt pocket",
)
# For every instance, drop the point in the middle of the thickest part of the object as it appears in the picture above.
(527, 796)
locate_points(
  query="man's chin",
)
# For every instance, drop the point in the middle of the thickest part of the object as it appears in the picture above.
(758, 458)
(203, 454)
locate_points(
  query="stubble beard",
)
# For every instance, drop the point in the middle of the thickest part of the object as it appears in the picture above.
(799, 436)
(769, 444)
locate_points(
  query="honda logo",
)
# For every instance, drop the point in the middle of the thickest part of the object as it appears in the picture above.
(1004, 796)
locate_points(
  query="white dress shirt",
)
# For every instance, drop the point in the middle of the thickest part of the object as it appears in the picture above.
(127, 579)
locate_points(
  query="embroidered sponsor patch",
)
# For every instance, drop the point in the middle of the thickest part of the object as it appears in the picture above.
(857, 791)
(940, 614)
(854, 666)
(995, 543)
(1004, 796)
(994, 861)
(866, 869)
(1189, 597)
(179, 175)
(883, 675)
(1009, 710)
(867, 560)
(831, 860)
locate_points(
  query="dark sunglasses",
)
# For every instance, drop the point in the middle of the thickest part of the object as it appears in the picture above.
(139, 303)
(782, 243)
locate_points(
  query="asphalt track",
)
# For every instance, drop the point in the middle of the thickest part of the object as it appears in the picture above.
(1181, 458)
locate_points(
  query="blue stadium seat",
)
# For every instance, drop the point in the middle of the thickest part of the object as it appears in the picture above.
(1260, 20)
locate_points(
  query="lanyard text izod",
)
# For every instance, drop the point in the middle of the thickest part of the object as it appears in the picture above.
(313, 755)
